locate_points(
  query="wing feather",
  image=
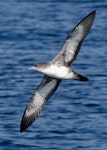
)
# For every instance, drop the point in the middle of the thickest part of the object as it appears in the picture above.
(74, 40)
(40, 96)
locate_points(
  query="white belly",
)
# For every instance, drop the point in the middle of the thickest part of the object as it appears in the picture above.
(58, 72)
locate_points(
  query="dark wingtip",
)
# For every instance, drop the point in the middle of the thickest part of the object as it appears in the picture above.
(93, 12)
(22, 126)
(25, 123)
(27, 120)
(22, 129)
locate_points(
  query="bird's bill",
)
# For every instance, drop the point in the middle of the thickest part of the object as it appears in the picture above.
(32, 68)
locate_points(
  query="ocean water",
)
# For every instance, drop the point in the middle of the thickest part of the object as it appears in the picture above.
(75, 118)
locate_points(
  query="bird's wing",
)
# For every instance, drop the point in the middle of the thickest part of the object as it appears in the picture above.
(44, 91)
(74, 40)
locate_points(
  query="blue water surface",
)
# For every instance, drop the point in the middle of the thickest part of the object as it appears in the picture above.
(75, 118)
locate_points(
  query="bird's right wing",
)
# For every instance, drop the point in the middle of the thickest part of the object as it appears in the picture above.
(45, 90)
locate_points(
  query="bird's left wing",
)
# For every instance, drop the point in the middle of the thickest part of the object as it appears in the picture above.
(74, 40)
(40, 96)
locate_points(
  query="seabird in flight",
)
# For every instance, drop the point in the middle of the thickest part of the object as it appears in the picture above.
(56, 70)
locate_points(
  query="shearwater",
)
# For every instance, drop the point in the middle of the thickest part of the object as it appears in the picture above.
(56, 70)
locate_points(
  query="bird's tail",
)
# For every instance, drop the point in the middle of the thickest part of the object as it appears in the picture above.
(81, 78)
